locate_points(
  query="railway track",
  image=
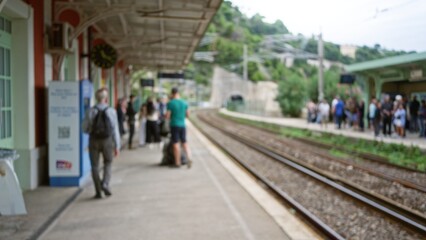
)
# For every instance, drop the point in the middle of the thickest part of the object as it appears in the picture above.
(402, 215)
(367, 162)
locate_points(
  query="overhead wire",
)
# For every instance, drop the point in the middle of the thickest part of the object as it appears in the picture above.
(389, 9)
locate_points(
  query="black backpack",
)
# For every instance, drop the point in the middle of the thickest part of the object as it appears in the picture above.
(101, 126)
(168, 155)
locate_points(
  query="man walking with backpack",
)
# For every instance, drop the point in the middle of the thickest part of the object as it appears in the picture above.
(100, 122)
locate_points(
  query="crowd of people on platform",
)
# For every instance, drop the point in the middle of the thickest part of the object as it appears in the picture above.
(106, 126)
(151, 118)
(157, 118)
(151, 115)
(388, 118)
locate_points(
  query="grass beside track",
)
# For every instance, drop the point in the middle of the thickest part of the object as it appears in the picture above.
(398, 154)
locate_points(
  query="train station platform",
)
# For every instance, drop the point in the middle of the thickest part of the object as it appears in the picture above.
(215, 199)
(410, 140)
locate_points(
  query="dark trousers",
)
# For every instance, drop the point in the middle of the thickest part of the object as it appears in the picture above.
(361, 122)
(121, 128)
(387, 126)
(422, 127)
(414, 123)
(339, 121)
(96, 148)
(152, 132)
(376, 125)
(310, 115)
(131, 132)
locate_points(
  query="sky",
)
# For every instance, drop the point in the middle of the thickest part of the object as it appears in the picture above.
(394, 24)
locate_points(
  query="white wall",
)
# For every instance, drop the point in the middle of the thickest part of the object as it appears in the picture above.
(225, 84)
(23, 92)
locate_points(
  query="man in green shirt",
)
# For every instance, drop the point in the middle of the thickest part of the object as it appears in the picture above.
(177, 111)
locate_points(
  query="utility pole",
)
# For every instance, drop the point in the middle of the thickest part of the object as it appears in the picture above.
(320, 68)
(245, 67)
(245, 71)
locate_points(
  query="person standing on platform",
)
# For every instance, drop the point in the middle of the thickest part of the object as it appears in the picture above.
(162, 110)
(387, 116)
(350, 112)
(324, 113)
(406, 106)
(361, 109)
(400, 120)
(121, 111)
(142, 125)
(152, 126)
(339, 111)
(422, 119)
(177, 111)
(371, 112)
(376, 117)
(311, 107)
(100, 122)
(414, 114)
(131, 119)
(333, 108)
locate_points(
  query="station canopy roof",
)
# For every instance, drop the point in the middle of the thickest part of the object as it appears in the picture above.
(414, 60)
(152, 34)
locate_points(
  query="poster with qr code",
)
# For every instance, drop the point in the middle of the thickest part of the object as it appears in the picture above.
(64, 129)
(63, 132)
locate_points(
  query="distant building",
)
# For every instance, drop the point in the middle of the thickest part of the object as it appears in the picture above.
(289, 61)
(348, 50)
(286, 59)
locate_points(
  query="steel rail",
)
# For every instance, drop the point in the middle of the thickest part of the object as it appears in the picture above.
(372, 171)
(365, 156)
(366, 198)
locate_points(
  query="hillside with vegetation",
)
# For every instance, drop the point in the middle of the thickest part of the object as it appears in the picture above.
(231, 29)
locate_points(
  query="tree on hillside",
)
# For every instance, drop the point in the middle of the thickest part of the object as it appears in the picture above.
(254, 73)
(229, 52)
(332, 87)
(277, 69)
(259, 27)
(201, 72)
(292, 95)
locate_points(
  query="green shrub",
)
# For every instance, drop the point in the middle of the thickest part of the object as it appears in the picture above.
(292, 95)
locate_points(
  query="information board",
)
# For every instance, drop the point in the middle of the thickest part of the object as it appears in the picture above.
(147, 82)
(347, 79)
(171, 75)
(64, 129)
